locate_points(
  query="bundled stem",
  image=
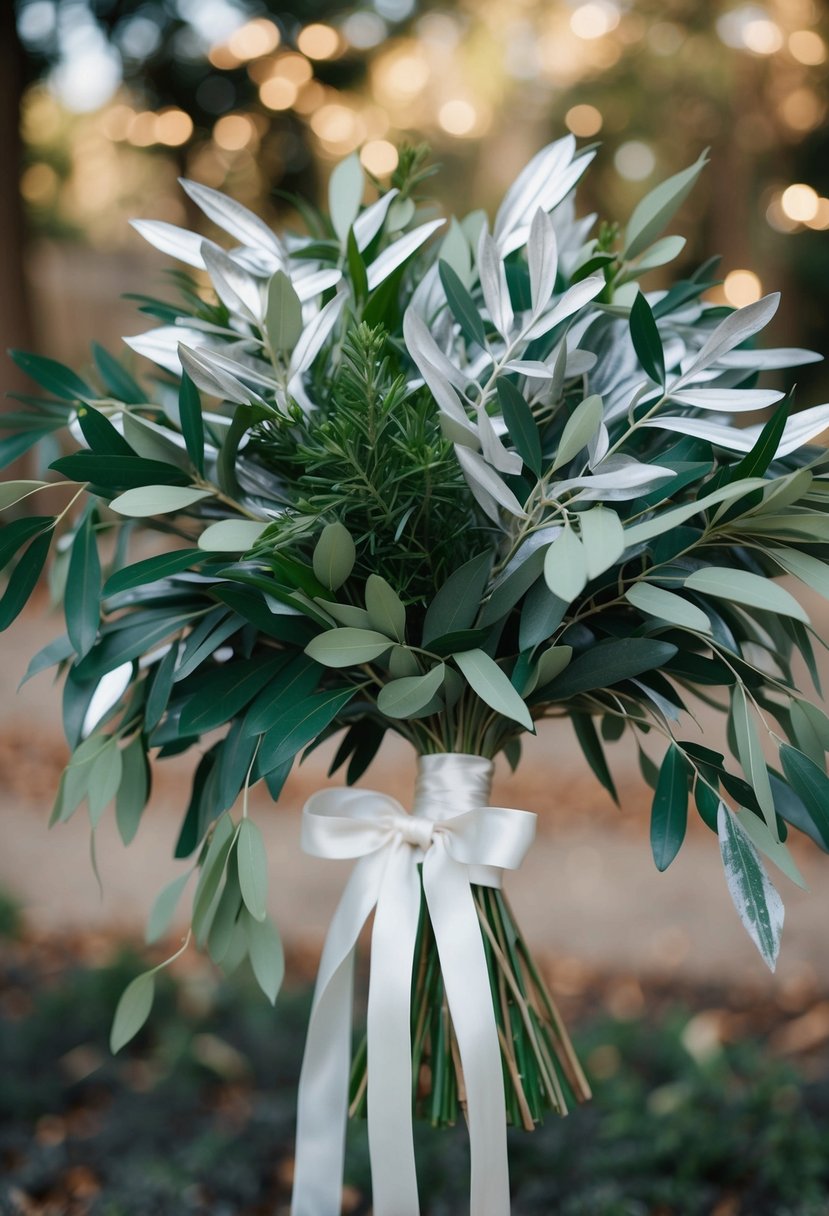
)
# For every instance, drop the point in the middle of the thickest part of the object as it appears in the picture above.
(540, 1068)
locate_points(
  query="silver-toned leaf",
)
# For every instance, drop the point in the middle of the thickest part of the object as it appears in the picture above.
(170, 239)
(478, 472)
(399, 252)
(542, 258)
(494, 284)
(753, 894)
(345, 193)
(574, 298)
(232, 217)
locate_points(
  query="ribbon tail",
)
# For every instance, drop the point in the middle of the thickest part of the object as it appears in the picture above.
(390, 1133)
(466, 983)
(322, 1104)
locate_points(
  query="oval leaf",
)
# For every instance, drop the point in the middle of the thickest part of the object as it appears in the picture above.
(486, 678)
(132, 1011)
(253, 869)
(347, 646)
(334, 556)
(408, 695)
(157, 500)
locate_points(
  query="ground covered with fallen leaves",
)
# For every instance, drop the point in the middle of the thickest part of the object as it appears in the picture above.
(707, 1102)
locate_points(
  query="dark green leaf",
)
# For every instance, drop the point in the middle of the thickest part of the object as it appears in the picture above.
(605, 664)
(113, 473)
(593, 751)
(83, 588)
(134, 789)
(646, 340)
(14, 536)
(669, 811)
(24, 579)
(457, 602)
(811, 785)
(142, 573)
(521, 425)
(461, 639)
(231, 688)
(252, 607)
(236, 753)
(121, 645)
(201, 810)
(293, 683)
(53, 376)
(101, 435)
(18, 445)
(192, 423)
(116, 378)
(541, 614)
(299, 724)
(356, 268)
(462, 305)
(160, 688)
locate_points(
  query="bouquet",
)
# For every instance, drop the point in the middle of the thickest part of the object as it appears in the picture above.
(446, 480)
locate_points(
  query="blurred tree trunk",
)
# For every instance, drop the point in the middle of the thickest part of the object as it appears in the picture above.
(15, 315)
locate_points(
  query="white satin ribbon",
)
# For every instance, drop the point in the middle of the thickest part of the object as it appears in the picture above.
(459, 840)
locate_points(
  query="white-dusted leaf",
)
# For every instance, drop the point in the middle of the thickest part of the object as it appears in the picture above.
(425, 351)
(163, 909)
(758, 904)
(267, 958)
(653, 212)
(283, 318)
(769, 359)
(369, 222)
(542, 259)
(232, 217)
(132, 1010)
(574, 298)
(152, 441)
(307, 286)
(347, 647)
(314, 335)
(565, 566)
(733, 331)
(399, 252)
(334, 556)
(544, 182)
(157, 500)
(231, 536)
(252, 864)
(493, 448)
(176, 242)
(456, 252)
(408, 695)
(493, 686)
(603, 538)
(345, 193)
(385, 609)
(477, 471)
(768, 844)
(659, 254)
(208, 375)
(161, 345)
(727, 400)
(616, 479)
(743, 587)
(750, 754)
(579, 429)
(494, 284)
(235, 287)
(667, 606)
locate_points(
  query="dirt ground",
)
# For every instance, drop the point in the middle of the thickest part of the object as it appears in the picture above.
(588, 894)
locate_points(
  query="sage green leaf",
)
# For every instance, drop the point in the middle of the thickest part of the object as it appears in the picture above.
(345, 194)
(133, 791)
(549, 664)
(266, 956)
(646, 340)
(603, 538)
(149, 441)
(462, 306)
(407, 696)
(78, 772)
(253, 869)
(757, 902)
(653, 212)
(667, 606)
(810, 570)
(347, 647)
(157, 500)
(521, 425)
(386, 612)
(13, 491)
(104, 779)
(211, 879)
(334, 556)
(283, 315)
(225, 918)
(231, 536)
(565, 566)
(774, 849)
(345, 614)
(151, 569)
(493, 686)
(163, 909)
(668, 520)
(669, 811)
(743, 587)
(750, 753)
(607, 663)
(459, 599)
(804, 736)
(811, 785)
(402, 663)
(132, 1010)
(818, 720)
(192, 422)
(24, 579)
(299, 725)
(579, 429)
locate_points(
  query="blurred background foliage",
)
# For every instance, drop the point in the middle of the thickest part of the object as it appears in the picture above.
(116, 98)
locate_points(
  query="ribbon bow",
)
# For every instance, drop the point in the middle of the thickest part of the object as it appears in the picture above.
(390, 843)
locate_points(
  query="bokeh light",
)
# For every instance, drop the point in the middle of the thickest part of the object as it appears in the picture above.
(742, 287)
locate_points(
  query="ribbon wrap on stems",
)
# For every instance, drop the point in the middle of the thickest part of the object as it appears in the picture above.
(459, 840)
